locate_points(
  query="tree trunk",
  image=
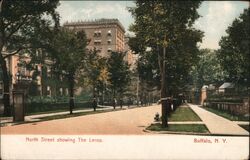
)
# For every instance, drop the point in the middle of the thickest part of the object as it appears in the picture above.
(71, 93)
(164, 104)
(6, 84)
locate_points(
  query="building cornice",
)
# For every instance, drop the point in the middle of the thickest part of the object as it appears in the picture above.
(96, 22)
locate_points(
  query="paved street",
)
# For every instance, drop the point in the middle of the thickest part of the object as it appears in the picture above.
(126, 121)
(217, 124)
(129, 121)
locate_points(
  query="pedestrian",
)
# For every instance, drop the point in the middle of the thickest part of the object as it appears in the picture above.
(121, 102)
(114, 103)
(94, 104)
(129, 101)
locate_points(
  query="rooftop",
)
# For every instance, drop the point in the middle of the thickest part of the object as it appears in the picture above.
(102, 21)
(226, 85)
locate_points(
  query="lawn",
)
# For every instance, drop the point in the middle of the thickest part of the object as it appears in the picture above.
(227, 115)
(184, 114)
(246, 127)
(197, 128)
(181, 114)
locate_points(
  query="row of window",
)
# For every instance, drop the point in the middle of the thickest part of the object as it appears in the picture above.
(98, 42)
(49, 91)
(100, 50)
(99, 33)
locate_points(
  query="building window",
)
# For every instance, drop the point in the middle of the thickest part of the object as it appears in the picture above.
(67, 91)
(97, 42)
(109, 50)
(99, 50)
(109, 33)
(97, 33)
(61, 91)
(109, 41)
(49, 72)
(48, 91)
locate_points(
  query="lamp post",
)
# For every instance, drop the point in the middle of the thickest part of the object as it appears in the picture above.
(19, 96)
(18, 100)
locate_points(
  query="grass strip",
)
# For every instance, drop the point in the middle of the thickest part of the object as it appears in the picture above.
(196, 128)
(184, 114)
(246, 127)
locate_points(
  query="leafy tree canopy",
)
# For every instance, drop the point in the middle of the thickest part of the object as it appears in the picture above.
(23, 25)
(167, 24)
(234, 49)
(119, 73)
(208, 70)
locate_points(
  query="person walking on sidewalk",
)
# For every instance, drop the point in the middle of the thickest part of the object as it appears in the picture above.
(121, 102)
(94, 103)
(114, 103)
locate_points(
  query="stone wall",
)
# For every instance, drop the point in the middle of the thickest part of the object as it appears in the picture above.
(232, 108)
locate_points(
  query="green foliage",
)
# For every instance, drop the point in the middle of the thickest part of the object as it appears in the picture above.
(246, 127)
(208, 69)
(234, 52)
(167, 24)
(96, 71)
(68, 49)
(119, 73)
(155, 20)
(148, 69)
(184, 114)
(228, 115)
(38, 107)
(197, 128)
(24, 25)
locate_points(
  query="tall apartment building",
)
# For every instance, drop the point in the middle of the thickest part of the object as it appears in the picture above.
(44, 77)
(105, 35)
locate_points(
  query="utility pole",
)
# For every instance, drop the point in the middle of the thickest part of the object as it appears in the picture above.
(137, 91)
(164, 99)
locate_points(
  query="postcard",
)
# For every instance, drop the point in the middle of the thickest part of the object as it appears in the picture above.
(124, 80)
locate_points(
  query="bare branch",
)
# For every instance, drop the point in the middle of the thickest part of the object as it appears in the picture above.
(13, 53)
(18, 27)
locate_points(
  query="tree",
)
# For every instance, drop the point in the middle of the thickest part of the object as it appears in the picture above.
(234, 50)
(166, 27)
(148, 74)
(119, 73)
(97, 73)
(20, 26)
(208, 70)
(68, 49)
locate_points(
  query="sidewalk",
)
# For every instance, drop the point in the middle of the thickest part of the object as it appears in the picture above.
(217, 124)
(34, 118)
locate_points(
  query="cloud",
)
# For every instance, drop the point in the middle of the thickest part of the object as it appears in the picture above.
(66, 12)
(219, 16)
(95, 9)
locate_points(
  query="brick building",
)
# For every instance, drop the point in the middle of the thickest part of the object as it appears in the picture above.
(43, 79)
(105, 35)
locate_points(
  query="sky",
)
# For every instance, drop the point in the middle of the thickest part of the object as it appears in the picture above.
(215, 18)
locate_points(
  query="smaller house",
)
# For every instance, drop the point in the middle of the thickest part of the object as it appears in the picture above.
(226, 87)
